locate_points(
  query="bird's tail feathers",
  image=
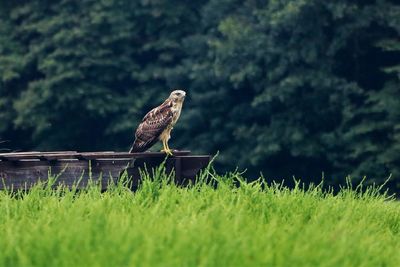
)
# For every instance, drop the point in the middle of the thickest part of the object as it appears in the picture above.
(135, 148)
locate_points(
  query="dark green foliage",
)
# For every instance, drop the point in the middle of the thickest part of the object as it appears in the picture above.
(88, 70)
(283, 87)
(371, 129)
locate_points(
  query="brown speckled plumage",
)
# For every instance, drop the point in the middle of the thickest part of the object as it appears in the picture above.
(158, 123)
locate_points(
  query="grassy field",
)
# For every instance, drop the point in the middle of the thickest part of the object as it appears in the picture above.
(164, 225)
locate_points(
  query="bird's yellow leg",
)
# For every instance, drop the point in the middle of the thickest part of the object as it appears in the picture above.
(166, 148)
(169, 149)
(166, 142)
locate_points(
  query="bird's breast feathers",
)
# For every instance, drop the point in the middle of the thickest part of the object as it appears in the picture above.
(176, 111)
(175, 108)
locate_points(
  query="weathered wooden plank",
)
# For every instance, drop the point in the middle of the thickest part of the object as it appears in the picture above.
(185, 167)
(192, 165)
(36, 153)
(24, 173)
(91, 155)
(82, 155)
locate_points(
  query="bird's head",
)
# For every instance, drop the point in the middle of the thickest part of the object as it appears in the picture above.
(177, 95)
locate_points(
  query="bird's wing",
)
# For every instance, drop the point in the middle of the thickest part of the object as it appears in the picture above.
(152, 125)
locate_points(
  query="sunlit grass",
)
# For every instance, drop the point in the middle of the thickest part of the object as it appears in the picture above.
(203, 225)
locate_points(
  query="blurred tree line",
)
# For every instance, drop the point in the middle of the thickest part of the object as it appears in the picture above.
(285, 87)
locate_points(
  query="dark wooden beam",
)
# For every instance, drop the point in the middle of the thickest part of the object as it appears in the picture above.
(59, 155)
(23, 170)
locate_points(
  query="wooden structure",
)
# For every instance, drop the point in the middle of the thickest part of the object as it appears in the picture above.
(23, 169)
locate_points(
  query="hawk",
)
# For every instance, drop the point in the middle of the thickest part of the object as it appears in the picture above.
(158, 123)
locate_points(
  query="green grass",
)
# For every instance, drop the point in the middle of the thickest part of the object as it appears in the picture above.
(165, 225)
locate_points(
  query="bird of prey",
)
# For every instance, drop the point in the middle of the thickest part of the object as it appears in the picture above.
(158, 123)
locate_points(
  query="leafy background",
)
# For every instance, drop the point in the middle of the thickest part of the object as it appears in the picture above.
(283, 87)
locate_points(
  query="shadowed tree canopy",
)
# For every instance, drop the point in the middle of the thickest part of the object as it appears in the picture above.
(280, 87)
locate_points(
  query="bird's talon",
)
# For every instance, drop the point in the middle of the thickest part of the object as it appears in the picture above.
(168, 152)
